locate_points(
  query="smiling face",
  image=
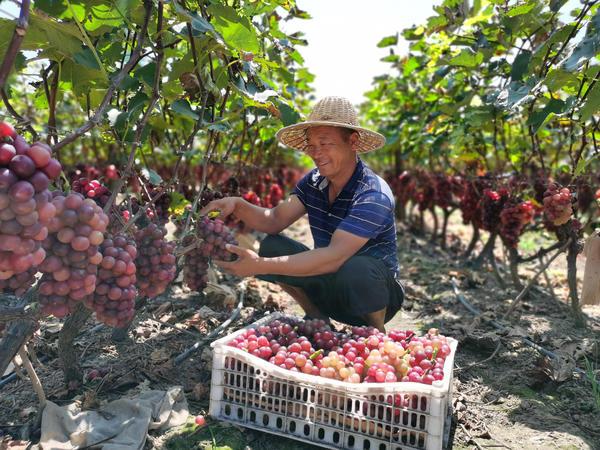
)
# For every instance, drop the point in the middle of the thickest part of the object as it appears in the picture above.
(333, 150)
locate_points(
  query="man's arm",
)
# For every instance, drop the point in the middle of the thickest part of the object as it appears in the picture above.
(266, 220)
(319, 261)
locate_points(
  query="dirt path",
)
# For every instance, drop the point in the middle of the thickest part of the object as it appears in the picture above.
(503, 394)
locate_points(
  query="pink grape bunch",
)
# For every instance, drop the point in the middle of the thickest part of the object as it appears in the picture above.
(558, 207)
(114, 298)
(364, 355)
(195, 271)
(72, 247)
(211, 235)
(25, 208)
(155, 260)
(215, 235)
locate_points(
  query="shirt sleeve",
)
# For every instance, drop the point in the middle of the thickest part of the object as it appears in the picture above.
(371, 213)
(300, 189)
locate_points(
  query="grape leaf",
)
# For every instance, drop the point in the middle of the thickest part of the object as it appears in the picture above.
(592, 103)
(539, 118)
(521, 9)
(587, 48)
(520, 65)
(183, 108)
(388, 41)
(86, 58)
(289, 115)
(467, 58)
(237, 31)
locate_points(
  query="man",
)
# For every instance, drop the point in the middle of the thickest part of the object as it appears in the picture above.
(351, 275)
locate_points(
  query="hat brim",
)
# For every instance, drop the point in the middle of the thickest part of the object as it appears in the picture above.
(294, 136)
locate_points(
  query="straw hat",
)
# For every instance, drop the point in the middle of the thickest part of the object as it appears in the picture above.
(332, 112)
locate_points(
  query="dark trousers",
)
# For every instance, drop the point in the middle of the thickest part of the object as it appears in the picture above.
(362, 285)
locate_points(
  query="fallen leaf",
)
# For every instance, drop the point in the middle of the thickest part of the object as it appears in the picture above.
(220, 294)
(197, 322)
(143, 331)
(167, 318)
(558, 369)
(577, 350)
(159, 355)
(517, 331)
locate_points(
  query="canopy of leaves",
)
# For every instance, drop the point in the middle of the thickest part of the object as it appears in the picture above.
(502, 86)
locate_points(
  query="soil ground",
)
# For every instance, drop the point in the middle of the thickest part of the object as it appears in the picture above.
(505, 393)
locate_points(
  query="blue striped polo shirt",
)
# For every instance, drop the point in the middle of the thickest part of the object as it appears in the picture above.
(365, 207)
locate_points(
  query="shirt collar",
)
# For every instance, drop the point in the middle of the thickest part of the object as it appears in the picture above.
(357, 175)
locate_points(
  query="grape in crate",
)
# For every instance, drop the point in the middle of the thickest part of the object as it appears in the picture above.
(352, 273)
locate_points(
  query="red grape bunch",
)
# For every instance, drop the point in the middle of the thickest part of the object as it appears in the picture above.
(214, 235)
(424, 193)
(251, 197)
(513, 218)
(25, 208)
(469, 202)
(491, 205)
(442, 190)
(208, 195)
(114, 299)
(72, 246)
(155, 260)
(92, 189)
(558, 207)
(274, 197)
(195, 271)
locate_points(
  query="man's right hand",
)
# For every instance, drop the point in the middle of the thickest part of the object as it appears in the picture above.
(225, 206)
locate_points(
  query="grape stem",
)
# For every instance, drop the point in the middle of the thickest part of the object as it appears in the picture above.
(316, 354)
(184, 250)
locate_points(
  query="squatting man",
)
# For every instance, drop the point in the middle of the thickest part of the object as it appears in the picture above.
(352, 273)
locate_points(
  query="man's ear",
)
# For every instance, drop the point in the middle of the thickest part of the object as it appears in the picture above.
(354, 140)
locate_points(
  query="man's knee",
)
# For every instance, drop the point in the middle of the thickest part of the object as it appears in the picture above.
(270, 246)
(279, 245)
(358, 271)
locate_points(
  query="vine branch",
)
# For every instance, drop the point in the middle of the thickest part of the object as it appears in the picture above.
(15, 43)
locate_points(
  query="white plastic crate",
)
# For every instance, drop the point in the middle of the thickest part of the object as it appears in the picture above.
(254, 393)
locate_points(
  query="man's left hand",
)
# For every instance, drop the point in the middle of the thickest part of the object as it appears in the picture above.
(246, 265)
